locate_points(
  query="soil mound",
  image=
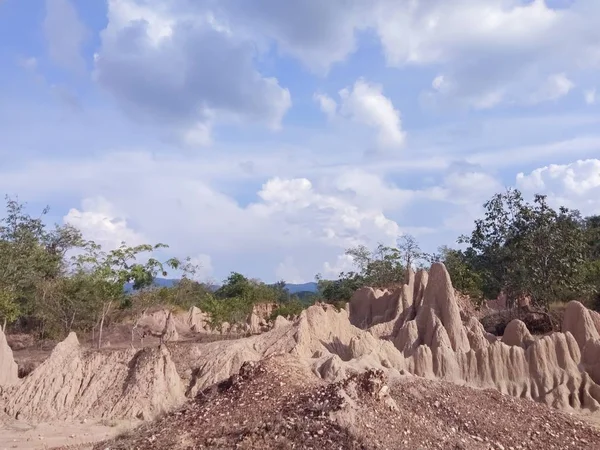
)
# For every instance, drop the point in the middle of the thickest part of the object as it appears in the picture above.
(73, 383)
(436, 344)
(277, 403)
(186, 324)
(197, 320)
(578, 321)
(9, 371)
(516, 333)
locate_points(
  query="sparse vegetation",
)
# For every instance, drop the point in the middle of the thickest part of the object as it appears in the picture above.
(518, 248)
(529, 250)
(52, 281)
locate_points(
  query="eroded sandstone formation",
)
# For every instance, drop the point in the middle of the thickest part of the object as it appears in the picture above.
(414, 329)
(8, 368)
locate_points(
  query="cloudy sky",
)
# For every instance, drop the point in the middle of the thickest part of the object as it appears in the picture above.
(267, 136)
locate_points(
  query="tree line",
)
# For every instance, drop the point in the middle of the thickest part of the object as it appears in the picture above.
(53, 281)
(518, 248)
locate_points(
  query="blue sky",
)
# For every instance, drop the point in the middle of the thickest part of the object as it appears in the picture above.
(267, 137)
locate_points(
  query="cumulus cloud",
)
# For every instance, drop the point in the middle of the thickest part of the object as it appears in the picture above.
(490, 52)
(466, 187)
(204, 266)
(174, 64)
(65, 34)
(370, 189)
(320, 216)
(327, 105)
(364, 103)
(166, 201)
(342, 263)
(575, 185)
(318, 33)
(98, 221)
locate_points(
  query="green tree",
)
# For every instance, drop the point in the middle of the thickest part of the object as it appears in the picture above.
(380, 268)
(30, 254)
(107, 273)
(410, 251)
(9, 309)
(529, 249)
(464, 275)
(236, 285)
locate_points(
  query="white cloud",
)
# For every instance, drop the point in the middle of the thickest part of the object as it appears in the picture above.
(318, 33)
(590, 96)
(65, 34)
(98, 221)
(199, 135)
(369, 189)
(327, 105)
(555, 87)
(365, 103)
(205, 266)
(469, 186)
(461, 196)
(574, 185)
(322, 217)
(288, 271)
(437, 32)
(343, 263)
(445, 88)
(166, 201)
(172, 64)
(491, 52)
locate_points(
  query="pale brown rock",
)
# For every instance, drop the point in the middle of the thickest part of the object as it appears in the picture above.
(8, 368)
(516, 333)
(578, 321)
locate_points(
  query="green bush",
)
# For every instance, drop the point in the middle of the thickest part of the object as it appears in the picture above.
(289, 309)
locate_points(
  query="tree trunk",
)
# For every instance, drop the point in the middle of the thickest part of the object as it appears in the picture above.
(100, 332)
(4, 326)
(105, 309)
(71, 323)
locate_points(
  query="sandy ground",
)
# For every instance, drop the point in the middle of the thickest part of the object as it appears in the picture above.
(23, 435)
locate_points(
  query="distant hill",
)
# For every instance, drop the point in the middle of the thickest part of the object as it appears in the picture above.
(291, 287)
(303, 287)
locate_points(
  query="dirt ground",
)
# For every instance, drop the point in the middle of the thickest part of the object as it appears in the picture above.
(278, 404)
(116, 337)
(22, 435)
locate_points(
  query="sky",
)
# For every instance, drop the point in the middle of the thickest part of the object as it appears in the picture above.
(266, 137)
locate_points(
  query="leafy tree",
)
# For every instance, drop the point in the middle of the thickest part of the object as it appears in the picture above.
(529, 249)
(29, 254)
(9, 309)
(464, 275)
(410, 251)
(381, 268)
(236, 285)
(288, 309)
(339, 291)
(107, 274)
(282, 293)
